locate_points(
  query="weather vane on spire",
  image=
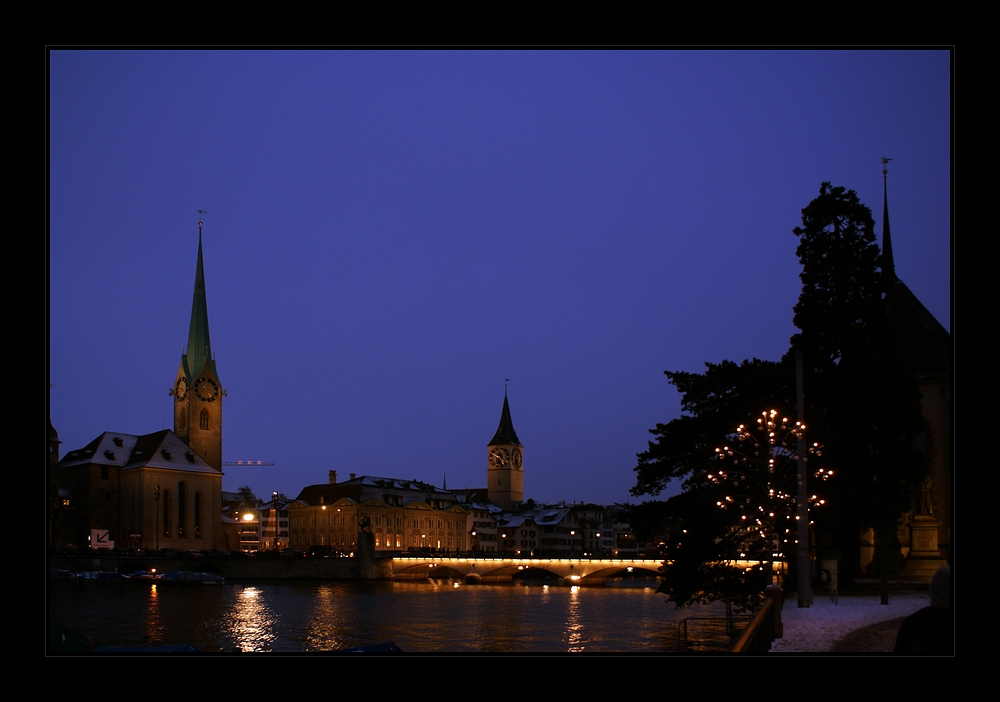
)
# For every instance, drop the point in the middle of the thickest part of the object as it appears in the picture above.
(505, 381)
(884, 162)
(200, 213)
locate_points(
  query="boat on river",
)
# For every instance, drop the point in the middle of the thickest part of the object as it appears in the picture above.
(190, 578)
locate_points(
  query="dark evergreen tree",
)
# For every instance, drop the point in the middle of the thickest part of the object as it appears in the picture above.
(713, 402)
(862, 403)
(699, 549)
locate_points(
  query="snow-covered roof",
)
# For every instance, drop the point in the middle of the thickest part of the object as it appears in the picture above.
(161, 449)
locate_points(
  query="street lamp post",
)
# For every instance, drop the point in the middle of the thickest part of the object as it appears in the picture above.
(274, 517)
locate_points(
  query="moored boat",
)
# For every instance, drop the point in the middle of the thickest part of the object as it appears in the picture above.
(190, 578)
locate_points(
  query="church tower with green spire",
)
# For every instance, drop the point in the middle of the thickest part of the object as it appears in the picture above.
(198, 392)
(505, 471)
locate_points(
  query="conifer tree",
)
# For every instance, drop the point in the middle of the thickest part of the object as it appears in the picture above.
(865, 407)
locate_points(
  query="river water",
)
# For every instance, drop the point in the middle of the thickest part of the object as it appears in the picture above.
(431, 616)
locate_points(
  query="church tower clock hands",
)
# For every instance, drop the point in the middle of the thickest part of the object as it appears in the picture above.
(197, 391)
(505, 473)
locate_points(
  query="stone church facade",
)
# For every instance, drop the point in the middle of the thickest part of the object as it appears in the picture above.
(158, 490)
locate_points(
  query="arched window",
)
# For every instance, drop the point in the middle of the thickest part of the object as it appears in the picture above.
(182, 422)
(166, 513)
(203, 419)
(197, 515)
(180, 509)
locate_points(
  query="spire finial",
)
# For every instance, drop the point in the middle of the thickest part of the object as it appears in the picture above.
(888, 267)
(505, 381)
(200, 217)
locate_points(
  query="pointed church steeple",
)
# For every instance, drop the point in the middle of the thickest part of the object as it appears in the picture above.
(505, 469)
(888, 267)
(505, 432)
(199, 348)
(197, 391)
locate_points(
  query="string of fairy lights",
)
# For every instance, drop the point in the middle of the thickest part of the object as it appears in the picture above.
(760, 468)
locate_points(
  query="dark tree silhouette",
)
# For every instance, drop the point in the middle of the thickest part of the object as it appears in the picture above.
(713, 403)
(700, 548)
(864, 405)
(859, 402)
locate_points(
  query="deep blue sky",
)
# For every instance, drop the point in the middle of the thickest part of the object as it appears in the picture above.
(390, 235)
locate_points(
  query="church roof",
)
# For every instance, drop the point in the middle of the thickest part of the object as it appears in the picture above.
(162, 449)
(919, 341)
(505, 432)
(109, 449)
(199, 347)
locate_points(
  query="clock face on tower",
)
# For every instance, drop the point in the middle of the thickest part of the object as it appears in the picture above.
(181, 389)
(516, 459)
(499, 457)
(206, 390)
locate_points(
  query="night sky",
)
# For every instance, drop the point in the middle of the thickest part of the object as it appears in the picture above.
(390, 235)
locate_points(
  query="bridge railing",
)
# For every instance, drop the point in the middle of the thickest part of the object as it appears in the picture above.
(507, 555)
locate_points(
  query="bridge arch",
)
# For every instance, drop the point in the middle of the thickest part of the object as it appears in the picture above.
(568, 570)
(619, 571)
(529, 573)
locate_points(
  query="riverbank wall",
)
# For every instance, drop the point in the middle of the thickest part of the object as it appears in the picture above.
(237, 568)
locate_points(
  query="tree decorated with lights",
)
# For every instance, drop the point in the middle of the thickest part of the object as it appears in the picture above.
(760, 477)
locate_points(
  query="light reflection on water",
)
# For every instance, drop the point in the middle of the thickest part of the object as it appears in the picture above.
(251, 623)
(439, 615)
(153, 630)
(325, 622)
(574, 626)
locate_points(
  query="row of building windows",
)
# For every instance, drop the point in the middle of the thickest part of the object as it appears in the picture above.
(378, 520)
(390, 540)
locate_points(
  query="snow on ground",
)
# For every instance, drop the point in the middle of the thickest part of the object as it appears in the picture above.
(817, 627)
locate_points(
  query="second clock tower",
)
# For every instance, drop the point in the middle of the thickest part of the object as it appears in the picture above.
(197, 391)
(505, 471)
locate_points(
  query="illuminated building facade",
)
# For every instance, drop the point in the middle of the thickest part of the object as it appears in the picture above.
(402, 515)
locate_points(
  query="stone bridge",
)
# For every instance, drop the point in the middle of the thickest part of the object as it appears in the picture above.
(572, 571)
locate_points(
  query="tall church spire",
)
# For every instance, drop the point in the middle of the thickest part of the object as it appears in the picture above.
(197, 390)
(505, 432)
(199, 348)
(888, 267)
